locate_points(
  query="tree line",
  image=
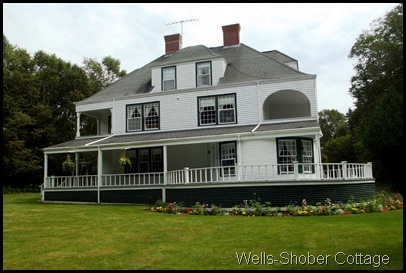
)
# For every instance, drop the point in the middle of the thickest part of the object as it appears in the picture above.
(39, 92)
(373, 131)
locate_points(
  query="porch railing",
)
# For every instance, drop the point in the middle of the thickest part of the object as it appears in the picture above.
(71, 181)
(238, 173)
(272, 172)
(132, 179)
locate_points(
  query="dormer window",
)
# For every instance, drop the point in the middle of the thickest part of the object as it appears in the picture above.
(203, 74)
(168, 78)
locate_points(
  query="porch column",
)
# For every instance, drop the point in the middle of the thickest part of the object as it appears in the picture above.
(296, 169)
(368, 171)
(43, 186)
(77, 124)
(77, 164)
(111, 121)
(99, 172)
(45, 169)
(317, 149)
(165, 153)
(344, 168)
(98, 125)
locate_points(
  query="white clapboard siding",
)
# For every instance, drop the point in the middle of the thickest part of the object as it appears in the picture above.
(179, 109)
(94, 106)
(258, 152)
(186, 74)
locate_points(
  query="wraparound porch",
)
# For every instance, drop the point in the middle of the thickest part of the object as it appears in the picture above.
(238, 173)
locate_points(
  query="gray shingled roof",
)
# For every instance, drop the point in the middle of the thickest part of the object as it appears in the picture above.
(189, 54)
(244, 64)
(279, 56)
(80, 142)
(185, 134)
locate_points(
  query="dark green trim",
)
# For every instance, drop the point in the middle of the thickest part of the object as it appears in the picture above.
(225, 196)
(143, 196)
(236, 152)
(71, 196)
(228, 197)
(298, 150)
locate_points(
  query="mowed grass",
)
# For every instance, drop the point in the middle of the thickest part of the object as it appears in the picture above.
(41, 236)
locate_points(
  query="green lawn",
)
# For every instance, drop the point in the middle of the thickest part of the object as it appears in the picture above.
(73, 236)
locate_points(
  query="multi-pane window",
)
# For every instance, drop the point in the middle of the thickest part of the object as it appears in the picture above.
(156, 160)
(217, 110)
(287, 154)
(226, 109)
(134, 113)
(295, 149)
(307, 155)
(203, 74)
(168, 78)
(228, 158)
(145, 160)
(143, 116)
(151, 116)
(207, 110)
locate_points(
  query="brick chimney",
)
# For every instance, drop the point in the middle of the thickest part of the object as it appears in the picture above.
(231, 34)
(173, 43)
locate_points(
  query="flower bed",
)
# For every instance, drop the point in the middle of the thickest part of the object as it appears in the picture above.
(254, 207)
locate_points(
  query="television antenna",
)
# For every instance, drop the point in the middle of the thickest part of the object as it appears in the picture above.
(181, 24)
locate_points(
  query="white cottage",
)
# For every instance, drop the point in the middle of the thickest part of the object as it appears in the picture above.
(211, 125)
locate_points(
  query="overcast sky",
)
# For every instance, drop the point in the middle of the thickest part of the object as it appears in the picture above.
(319, 36)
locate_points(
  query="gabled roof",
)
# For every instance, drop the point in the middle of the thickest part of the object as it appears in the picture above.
(244, 64)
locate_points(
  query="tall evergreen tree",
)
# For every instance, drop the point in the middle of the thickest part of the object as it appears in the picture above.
(377, 121)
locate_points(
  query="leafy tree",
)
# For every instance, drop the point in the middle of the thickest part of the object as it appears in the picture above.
(19, 91)
(100, 74)
(377, 121)
(104, 73)
(59, 84)
(39, 92)
(336, 142)
(332, 124)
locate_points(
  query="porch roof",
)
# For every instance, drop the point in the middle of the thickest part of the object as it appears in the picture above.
(138, 138)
